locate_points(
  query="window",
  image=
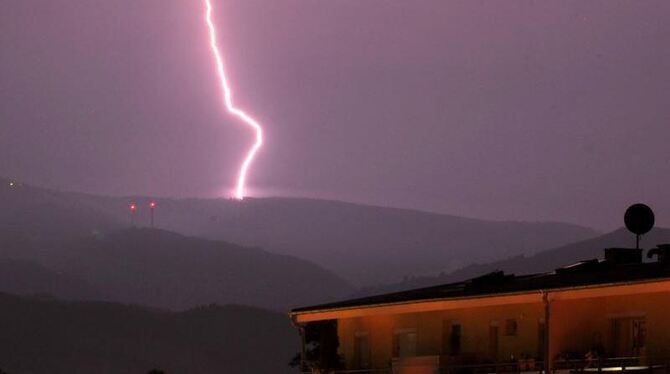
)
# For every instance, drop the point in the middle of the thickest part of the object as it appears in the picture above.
(362, 349)
(493, 341)
(451, 337)
(511, 327)
(639, 334)
(404, 343)
(541, 338)
(628, 336)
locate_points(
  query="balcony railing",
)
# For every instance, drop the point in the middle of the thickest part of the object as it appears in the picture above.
(499, 367)
(614, 364)
(359, 371)
(620, 364)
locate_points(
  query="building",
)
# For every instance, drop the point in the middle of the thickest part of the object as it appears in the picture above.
(609, 314)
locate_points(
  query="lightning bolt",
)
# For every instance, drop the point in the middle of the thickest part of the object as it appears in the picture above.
(230, 107)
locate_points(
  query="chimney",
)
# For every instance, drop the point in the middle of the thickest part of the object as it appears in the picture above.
(662, 253)
(622, 256)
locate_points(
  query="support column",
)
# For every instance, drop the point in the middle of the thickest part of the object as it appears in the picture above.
(548, 360)
(302, 348)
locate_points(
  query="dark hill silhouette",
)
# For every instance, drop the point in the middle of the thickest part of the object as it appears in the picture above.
(366, 245)
(541, 262)
(164, 269)
(30, 278)
(55, 337)
(76, 236)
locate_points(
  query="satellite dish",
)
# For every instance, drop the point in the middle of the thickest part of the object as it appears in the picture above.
(639, 220)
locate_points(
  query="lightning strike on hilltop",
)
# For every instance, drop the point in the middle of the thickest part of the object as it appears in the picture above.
(230, 107)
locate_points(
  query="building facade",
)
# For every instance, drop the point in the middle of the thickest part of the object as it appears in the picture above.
(598, 314)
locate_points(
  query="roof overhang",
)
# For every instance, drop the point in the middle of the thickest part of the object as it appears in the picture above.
(525, 297)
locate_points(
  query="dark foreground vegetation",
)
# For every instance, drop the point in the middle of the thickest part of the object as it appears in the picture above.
(56, 337)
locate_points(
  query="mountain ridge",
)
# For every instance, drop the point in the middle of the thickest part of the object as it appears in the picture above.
(168, 270)
(544, 261)
(364, 244)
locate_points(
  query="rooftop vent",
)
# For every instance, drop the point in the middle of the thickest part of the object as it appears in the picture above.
(579, 267)
(623, 255)
(662, 252)
(492, 279)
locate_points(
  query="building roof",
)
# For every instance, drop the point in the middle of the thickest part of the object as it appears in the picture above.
(585, 273)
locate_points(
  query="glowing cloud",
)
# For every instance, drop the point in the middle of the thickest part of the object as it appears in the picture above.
(228, 101)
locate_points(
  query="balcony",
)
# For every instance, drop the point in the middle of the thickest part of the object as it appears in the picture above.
(613, 364)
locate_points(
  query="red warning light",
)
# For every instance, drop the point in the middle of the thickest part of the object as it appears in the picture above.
(133, 207)
(152, 204)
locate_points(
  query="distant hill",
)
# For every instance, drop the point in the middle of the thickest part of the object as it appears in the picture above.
(366, 245)
(67, 245)
(30, 278)
(167, 270)
(47, 214)
(55, 337)
(544, 261)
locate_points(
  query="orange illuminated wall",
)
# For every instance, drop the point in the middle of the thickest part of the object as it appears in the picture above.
(576, 316)
(577, 324)
(475, 326)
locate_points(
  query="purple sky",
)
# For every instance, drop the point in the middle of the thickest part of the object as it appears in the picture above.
(530, 110)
